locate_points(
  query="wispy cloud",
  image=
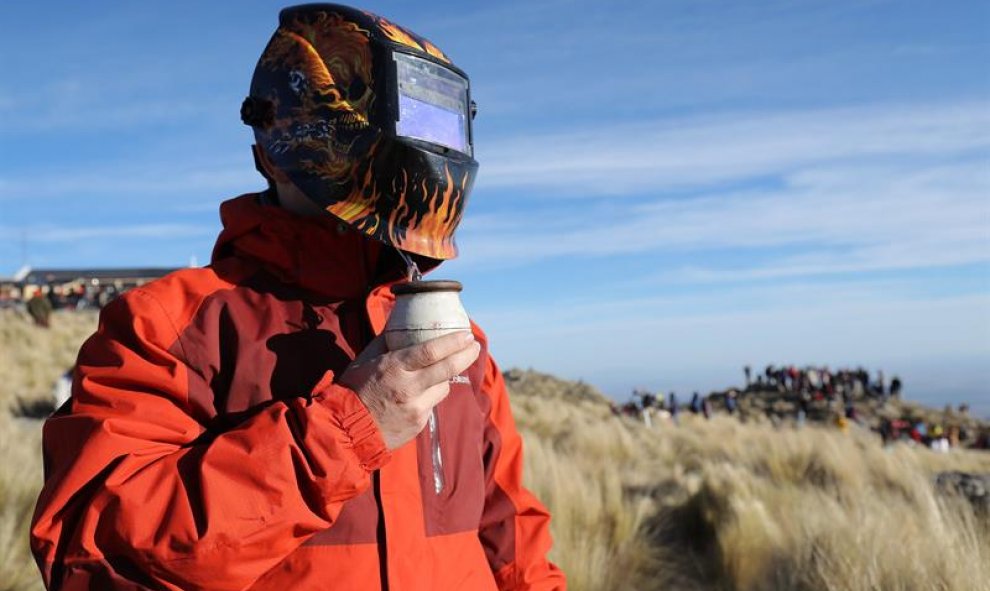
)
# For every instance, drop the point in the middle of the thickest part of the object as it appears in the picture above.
(99, 102)
(51, 233)
(670, 154)
(835, 191)
(932, 207)
(154, 179)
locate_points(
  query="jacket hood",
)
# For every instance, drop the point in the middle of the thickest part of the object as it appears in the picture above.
(319, 254)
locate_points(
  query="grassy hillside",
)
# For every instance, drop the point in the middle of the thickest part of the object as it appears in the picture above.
(706, 505)
(724, 505)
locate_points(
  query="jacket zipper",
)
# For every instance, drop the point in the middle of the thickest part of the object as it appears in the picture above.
(376, 477)
(380, 534)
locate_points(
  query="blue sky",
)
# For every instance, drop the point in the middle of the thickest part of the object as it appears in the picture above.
(668, 190)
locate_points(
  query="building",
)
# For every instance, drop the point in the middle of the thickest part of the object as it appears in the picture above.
(76, 287)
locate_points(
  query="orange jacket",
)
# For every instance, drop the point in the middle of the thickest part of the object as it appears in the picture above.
(207, 446)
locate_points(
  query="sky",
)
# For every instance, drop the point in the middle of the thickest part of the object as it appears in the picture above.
(668, 190)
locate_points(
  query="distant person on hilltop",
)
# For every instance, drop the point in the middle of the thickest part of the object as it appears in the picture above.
(54, 297)
(39, 308)
(885, 430)
(244, 425)
(953, 435)
(982, 440)
(649, 399)
(802, 413)
(895, 387)
(851, 413)
(106, 295)
(647, 402)
(730, 402)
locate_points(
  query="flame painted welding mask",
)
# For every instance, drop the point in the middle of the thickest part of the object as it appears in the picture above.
(370, 121)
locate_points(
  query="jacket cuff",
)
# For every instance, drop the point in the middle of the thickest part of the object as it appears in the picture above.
(354, 421)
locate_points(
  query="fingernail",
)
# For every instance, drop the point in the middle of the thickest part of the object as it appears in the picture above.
(466, 337)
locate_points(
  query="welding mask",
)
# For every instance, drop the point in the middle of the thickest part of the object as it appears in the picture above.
(369, 121)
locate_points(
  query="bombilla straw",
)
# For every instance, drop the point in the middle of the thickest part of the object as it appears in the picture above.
(436, 455)
(412, 269)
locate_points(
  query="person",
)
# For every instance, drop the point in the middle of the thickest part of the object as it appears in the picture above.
(748, 372)
(803, 406)
(649, 399)
(54, 296)
(730, 402)
(953, 436)
(938, 440)
(243, 425)
(895, 387)
(918, 432)
(885, 431)
(851, 413)
(39, 308)
(675, 409)
(982, 439)
(828, 382)
(900, 430)
(106, 295)
(648, 403)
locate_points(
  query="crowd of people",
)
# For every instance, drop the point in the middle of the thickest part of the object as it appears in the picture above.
(819, 393)
(646, 404)
(823, 382)
(39, 301)
(938, 435)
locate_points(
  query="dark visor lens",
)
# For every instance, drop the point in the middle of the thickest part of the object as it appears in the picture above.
(433, 103)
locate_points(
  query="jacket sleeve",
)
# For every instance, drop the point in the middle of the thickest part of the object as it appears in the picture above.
(140, 495)
(515, 527)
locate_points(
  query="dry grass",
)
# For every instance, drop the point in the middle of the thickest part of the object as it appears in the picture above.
(31, 360)
(707, 505)
(724, 505)
(20, 480)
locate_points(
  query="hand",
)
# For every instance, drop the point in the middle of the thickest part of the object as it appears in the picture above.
(400, 388)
